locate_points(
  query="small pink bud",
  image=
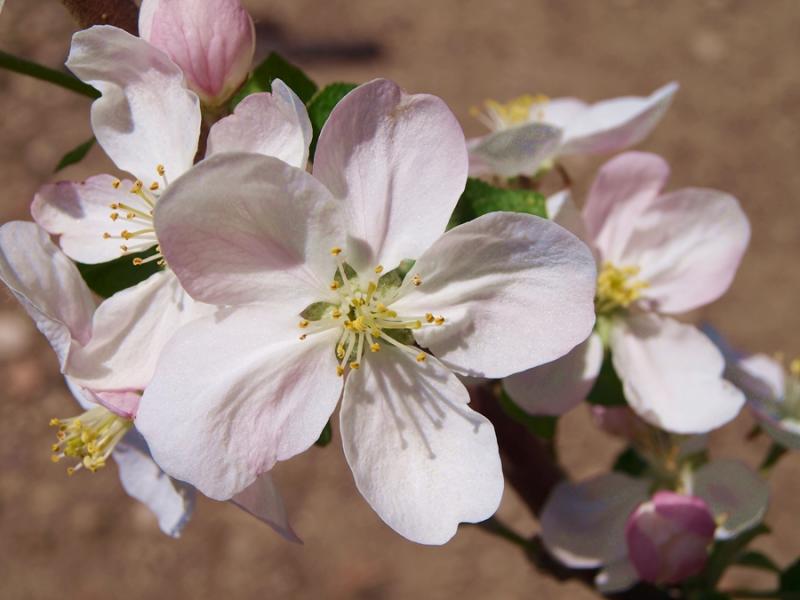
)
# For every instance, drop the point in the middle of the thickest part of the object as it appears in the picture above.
(212, 41)
(669, 536)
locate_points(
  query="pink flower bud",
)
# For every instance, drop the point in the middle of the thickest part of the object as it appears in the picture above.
(212, 41)
(668, 537)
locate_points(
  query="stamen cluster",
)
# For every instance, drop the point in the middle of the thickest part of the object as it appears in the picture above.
(90, 438)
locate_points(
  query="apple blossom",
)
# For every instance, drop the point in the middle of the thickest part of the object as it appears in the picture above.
(610, 522)
(50, 288)
(212, 41)
(148, 123)
(658, 255)
(531, 132)
(325, 303)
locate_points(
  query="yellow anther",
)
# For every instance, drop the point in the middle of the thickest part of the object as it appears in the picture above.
(516, 111)
(416, 324)
(124, 248)
(360, 324)
(130, 215)
(137, 262)
(154, 186)
(334, 285)
(71, 471)
(336, 251)
(137, 187)
(617, 287)
(354, 365)
(160, 170)
(357, 302)
(303, 324)
(348, 324)
(375, 332)
(422, 357)
(379, 269)
(340, 351)
(375, 347)
(339, 370)
(113, 206)
(336, 313)
(304, 336)
(416, 280)
(371, 287)
(439, 320)
(55, 457)
(55, 422)
(429, 317)
(380, 307)
(114, 216)
(390, 313)
(126, 234)
(794, 367)
(106, 235)
(116, 183)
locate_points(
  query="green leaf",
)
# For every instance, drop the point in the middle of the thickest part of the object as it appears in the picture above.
(326, 436)
(790, 578)
(540, 426)
(629, 461)
(276, 67)
(757, 560)
(37, 71)
(75, 155)
(106, 279)
(321, 105)
(607, 390)
(480, 198)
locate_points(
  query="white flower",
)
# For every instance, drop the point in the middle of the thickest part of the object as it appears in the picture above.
(531, 132)
(658, 255)
(148, 122)
(309, 266)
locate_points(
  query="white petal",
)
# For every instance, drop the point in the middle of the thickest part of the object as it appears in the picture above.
(146, 116)
(615, 124)
(234, 393)
(516, 291)
(249, 228)
(735, 493)
(559, 386)
(688, 244)
(47, 284)
(562, 210)
(420, 456)
(519, 150)
(273, 124)
(759, 376)
(80, 213)
(263, 500)
(129, 330)
(583, 524)
(559, 112)
(617, 576)
(171, 501)
(672, 374)
(398, 163)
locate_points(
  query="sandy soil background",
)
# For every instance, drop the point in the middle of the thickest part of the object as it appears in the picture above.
(734, 126)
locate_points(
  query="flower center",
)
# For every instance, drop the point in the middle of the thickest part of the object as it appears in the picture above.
(139, 212)
(363, 312)
(524, 109)
(617, 287)
(88, 438)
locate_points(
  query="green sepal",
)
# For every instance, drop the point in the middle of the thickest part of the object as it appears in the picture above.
(543, 426)
(106, 279)
(757, 560)
(607, 389)
(75, 155)
(630, 462)
(790, 578)
(321, 105)
(276, 67)
(326, 436)
(480, 198)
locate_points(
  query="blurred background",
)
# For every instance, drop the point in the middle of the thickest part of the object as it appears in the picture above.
(734, 126)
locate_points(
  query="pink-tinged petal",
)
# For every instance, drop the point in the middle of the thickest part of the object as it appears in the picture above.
(129, 330)
(501, 282)
(273, 124)
(559, 112)
(420, 456)
(145, 117)
(80, 213)
(688, 244)
(562, 210)
(672, 374)
(124, 403)
(668, 537)
(736, 494)
(760, 377)
(615, 124)
(624, 188)
(263, 500)
(234, 393)
(616, 576)
(47, 284)
(245, 227)
(583, 524)
(518, 150)
(171, 501)
(559, 386)
(398, 163)
(212, 41)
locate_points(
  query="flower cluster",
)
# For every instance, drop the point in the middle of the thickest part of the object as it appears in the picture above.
(271, 253)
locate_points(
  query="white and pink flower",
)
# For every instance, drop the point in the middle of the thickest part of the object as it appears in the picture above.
(325, 304)
(531, 132)
(659, 255)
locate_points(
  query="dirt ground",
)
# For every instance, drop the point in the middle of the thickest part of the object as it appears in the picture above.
(734, 126)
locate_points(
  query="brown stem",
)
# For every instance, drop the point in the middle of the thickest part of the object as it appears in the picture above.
(120, 13)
